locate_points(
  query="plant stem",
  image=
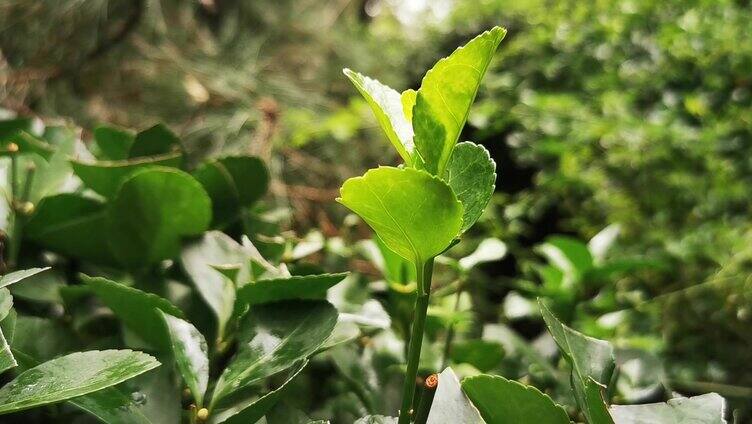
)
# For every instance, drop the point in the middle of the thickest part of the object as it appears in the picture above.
(426, 399)
(424, 273)
(15, 225)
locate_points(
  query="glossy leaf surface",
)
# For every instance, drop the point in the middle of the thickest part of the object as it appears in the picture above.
(191, 354)
(471, 173)
(287, 288)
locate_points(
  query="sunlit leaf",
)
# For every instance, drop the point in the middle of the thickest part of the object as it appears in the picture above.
(445, 96)
(416, 215)
(387, 106)
(471, 173)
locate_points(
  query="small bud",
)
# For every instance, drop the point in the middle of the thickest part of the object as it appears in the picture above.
(186, 393)
(202, 414)
(26, 208)
(12, 147)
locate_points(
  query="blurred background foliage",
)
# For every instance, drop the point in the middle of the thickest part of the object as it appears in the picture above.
(634, 116)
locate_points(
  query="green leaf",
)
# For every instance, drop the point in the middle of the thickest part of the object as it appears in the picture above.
(503, 401)
(157, 140)
(568, 254)
(6, 303)
(471, 173)
(7, 361)
(60, 221)
(270, 342)
(71, 376)
(191, 355)
(592, 363)
(137, 309)
(387, 106)
(20, 275)
(376, 419)
(704, 409)
(109, 405)
(481, 354)
(9, 127)
(415, 214)
(450, 405)
(199, 258)
(407, 99)
(113, 143)
(445, 96)
(254, 408)
(232, 182)
(154, 209)
(105, 177)
(288, 288)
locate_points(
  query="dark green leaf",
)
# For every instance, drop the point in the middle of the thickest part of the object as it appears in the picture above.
(416, 215)
(270, 342)
(481, 354)
(27, 143)
(232, 182)
(253, 409)
(288, 288)
(592, 363)
(60, 221)
(9, 127)
(113, 143)
(72, 375)
(153, 210)
(138, 310)
(7, 360)
(503, 401)
(445, 96)
(6, 303)
(157, 140)
(191, 355)
(105, 177)
(471, 173)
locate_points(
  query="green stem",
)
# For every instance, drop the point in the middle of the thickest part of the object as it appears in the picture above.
(424, 273)
(426, 399)
(15, 226)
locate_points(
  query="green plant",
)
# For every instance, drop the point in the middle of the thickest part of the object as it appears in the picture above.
(145, 227)
(419, 210)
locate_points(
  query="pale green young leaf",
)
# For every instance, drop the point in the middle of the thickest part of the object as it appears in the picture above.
(704, 409)
(270, 342)
(408, 98)
(503, 401)
(450, 405)
(592, 363)
(191, 354)
(445, 96)
(137, 309)
(415, 214)
(72, 375)
(471, 173)
(387, 106)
